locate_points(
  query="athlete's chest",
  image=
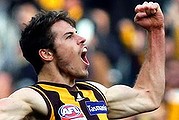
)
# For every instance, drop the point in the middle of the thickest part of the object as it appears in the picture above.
(85, 103)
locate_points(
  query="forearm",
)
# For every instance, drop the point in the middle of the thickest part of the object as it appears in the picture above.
(151, 78)
(149, 87)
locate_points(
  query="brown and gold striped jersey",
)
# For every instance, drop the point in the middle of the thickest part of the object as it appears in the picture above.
(83, 101)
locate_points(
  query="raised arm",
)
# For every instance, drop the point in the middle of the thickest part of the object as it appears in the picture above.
(147, 93)
(152, 74)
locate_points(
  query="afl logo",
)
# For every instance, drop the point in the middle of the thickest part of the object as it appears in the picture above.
(68, 112)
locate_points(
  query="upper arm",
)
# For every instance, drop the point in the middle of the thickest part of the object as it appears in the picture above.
(20, 104)
(125, 101)
(13, 108)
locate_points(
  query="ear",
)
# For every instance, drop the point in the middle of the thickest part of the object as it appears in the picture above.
(46, 54)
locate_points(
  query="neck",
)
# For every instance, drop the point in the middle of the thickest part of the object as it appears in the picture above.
(49, 74)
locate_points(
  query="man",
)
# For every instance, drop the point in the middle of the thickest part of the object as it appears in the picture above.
(50, 43)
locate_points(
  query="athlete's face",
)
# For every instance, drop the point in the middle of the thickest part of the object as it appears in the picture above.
(70, 56)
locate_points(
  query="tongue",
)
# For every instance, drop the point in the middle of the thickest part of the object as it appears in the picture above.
(85, 60)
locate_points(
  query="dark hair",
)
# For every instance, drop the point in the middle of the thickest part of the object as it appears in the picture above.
(37, 35)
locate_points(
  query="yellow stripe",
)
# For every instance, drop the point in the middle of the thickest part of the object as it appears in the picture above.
(102, 116)
(65, 96)
(88, 84)
(91, 96)
(52, 117)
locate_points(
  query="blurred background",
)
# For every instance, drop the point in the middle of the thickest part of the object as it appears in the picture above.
(116, 45)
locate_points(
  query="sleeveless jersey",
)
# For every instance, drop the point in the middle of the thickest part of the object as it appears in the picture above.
(83, 101)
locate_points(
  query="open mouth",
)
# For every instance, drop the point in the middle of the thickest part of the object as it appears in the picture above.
(84, 56)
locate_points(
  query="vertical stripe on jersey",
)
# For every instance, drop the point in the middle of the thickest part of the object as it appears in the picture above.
(64, 94)
(60, 95)
(48, 103)
(94, 96)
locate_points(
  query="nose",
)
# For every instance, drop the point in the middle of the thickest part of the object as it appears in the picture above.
(80, 40)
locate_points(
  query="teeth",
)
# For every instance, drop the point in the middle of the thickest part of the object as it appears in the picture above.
(85, 50)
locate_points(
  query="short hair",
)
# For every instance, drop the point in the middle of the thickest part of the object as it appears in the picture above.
(37, 35)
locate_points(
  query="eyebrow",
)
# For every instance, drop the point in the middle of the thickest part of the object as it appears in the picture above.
(70, 33)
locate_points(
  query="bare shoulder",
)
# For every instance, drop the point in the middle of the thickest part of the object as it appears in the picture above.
(121, 100)
(21, 103)
(25, 94)
(114, 91)
(120, 92)
(32, 98)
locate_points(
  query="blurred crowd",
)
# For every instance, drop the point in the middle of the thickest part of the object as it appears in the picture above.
(116, 45)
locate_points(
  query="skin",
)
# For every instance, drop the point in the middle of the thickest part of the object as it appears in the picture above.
(146, 95)
(66, 66)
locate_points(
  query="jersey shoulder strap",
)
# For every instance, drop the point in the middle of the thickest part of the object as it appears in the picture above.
(38, 89)
(88, 85)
